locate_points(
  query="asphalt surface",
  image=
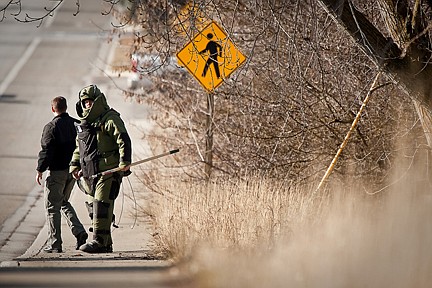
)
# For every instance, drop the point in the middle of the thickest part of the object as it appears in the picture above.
(60, 57)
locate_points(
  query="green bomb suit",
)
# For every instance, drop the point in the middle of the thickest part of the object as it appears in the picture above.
(102, 144)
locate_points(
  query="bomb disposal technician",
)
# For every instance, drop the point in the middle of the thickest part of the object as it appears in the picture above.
(102, 144)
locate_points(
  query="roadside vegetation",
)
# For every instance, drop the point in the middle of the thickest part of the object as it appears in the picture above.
(237, 214)
(258, 232)
(258, 220)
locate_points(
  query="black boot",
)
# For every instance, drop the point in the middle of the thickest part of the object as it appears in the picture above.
(94, 247)
(81, 239)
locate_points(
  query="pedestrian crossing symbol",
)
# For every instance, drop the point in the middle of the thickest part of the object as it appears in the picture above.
(211, 56)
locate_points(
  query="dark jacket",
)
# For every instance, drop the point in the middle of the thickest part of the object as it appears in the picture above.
(58, 143)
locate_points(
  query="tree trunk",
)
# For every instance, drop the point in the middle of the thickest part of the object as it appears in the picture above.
(404, 25)
(407, 64)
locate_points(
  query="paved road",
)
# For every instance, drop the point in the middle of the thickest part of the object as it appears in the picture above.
(36, 65)
(65, 54)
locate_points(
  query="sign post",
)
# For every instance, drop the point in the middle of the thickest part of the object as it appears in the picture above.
(210, 57)
(208, 156)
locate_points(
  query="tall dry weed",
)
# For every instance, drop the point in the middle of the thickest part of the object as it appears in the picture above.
(230, 214)
(262, 233)
(359, 242)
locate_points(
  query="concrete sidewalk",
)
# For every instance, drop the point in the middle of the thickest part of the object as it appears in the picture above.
(133, 262)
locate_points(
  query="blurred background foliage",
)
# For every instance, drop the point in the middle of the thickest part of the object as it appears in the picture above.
(287, 109)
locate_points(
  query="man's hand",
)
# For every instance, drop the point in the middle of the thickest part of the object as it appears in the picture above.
(124, 169)
(76, 174)
(38, 177)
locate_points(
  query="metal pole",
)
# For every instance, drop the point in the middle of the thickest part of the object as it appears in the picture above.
(208, 157)
(137, 163)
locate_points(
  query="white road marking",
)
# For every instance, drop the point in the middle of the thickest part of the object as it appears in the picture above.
(18, 66)
(26, 56)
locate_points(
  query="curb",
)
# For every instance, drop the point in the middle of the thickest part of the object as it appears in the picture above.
(20, 229)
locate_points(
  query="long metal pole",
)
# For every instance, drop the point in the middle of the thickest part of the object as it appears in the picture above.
(137, 163)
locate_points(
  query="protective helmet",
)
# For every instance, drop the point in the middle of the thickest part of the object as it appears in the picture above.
(89, 92)
(99, 106)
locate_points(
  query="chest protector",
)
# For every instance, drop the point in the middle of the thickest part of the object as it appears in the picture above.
(89, 154)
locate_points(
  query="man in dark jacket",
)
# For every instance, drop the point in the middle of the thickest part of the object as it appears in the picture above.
(58, 144)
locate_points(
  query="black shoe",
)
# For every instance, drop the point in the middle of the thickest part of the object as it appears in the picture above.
(81, 239)
(94, 247)
(50, 249)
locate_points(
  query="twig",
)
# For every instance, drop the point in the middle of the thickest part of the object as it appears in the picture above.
(348, 135)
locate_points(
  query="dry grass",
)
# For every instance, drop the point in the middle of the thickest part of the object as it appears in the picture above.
(235, 214)
(357, 245)
(232, 215)
(263, 233)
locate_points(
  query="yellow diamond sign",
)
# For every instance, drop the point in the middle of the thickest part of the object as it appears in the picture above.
(211, 56)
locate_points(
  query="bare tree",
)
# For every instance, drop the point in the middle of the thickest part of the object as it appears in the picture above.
(16, 9)
(288, 107)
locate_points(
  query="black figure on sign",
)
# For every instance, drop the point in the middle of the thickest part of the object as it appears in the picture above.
(214, 50)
